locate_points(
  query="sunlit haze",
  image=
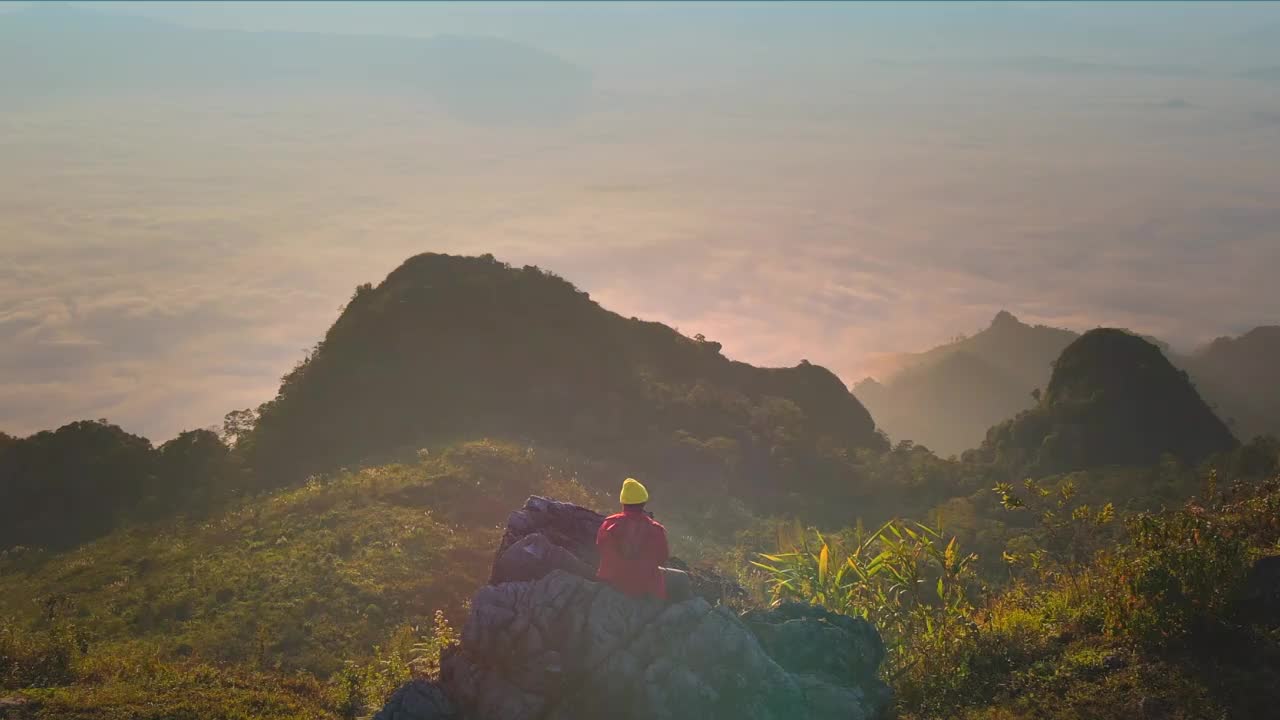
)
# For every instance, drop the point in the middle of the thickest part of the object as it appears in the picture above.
(831, 182)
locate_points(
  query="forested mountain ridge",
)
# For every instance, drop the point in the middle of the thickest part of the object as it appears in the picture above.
(1240, 376)
(457, 346)
(1113, 399)
(261, 578)
(451, 349)
(947, 397)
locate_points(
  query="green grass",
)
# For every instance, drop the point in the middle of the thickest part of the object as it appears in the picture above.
(1150, 626)
(316, 601)
(286, 605)
(180, 691)
(303, 579)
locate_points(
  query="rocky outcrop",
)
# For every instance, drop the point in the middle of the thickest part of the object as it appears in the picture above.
(545, 642)
(547, 535)
(418, 699)
(808, 640)
(568, 527)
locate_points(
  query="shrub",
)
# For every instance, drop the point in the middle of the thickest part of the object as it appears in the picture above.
(38, 659)
(1181, 572)
(359, 689)
(904, 578)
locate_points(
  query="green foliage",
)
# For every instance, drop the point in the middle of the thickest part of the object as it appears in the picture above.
(307, 601)
(1178, 579)
(426, 653)
(299, 579)
(456, 346)
(38, 659)
(1067, 533)
(904, 577)
(315, 601)
(100, 477)
(96, 470)
(1109, 614)
(62, 675)
(359, 689)
(1113, 399)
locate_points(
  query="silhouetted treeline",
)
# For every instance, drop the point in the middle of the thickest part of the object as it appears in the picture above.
(456, 348)
(61, 487)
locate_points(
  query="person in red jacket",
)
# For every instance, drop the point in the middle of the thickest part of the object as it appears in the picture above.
(633, 546)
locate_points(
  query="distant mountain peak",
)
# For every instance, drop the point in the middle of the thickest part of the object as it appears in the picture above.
(449, 345)
(1004, 319)
(1113, 399)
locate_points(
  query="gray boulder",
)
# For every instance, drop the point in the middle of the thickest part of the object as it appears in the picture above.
(543, 641)
(565, 648)
(566, 525)
(418, 699)
(809, 640)
(534, 556)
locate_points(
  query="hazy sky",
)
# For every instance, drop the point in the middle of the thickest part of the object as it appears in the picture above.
(834, 182)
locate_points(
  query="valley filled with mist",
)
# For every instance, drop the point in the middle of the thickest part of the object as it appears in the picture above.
(946, 331)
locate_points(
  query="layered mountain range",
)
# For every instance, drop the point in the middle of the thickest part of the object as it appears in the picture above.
(946, 398)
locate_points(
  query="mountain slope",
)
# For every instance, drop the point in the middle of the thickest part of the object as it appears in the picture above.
(303, 577)
(457, 346)
(1113, 399)
(947, 397)
(1240, 376)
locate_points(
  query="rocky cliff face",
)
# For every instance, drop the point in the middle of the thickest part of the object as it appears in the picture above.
(545, 642)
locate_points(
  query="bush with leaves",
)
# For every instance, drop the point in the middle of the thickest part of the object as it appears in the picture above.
(359, 689)
(1066, 535)
(905, 578)
(1179, 576)
(38, 658)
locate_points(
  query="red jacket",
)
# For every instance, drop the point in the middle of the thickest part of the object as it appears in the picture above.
(632, 548)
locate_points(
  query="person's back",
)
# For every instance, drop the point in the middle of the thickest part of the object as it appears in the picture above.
(633, 546)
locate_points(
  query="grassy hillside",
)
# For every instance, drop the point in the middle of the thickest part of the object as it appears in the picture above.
(259, 610)
(307, 601)
(298, 602)
(300, 579)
